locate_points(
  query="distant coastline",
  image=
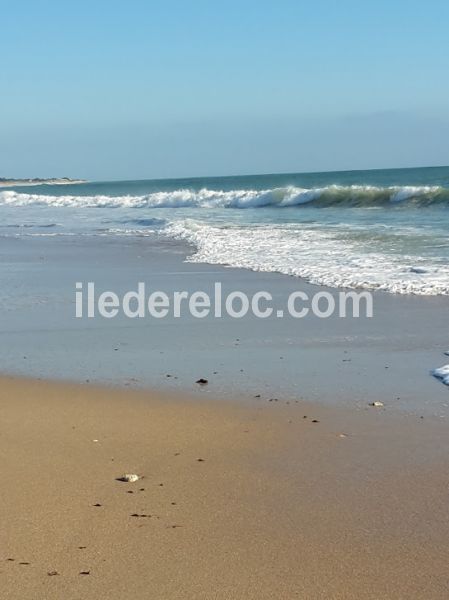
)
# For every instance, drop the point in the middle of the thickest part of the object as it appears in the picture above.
(4, 182)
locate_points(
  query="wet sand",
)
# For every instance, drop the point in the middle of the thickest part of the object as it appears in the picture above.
(258, 499)
(334, 361)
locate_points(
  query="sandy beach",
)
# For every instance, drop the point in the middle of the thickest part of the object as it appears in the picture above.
(263, 499)
(277, 479)
(224, 300)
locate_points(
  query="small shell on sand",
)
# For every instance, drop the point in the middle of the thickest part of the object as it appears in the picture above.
(128, 477)
(377, 404)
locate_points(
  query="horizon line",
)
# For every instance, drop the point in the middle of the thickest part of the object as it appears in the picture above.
(275, 174)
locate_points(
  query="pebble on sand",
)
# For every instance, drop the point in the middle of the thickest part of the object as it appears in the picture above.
(377, 404)
(128, 478)
(202, 381)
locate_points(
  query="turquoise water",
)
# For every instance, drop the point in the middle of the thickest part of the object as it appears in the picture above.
(382, 229)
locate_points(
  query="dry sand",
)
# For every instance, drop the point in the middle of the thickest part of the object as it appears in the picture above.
(355, 505)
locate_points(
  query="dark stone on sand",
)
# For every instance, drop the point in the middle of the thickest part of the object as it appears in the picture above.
(51, 573)
(202, 381)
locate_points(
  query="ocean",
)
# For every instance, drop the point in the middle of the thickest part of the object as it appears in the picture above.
(376, 230)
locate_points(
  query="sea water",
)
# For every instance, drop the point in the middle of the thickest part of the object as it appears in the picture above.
(377, 230)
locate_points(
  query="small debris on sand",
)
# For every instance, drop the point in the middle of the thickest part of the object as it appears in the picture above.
(24, 563)
(84, 572)
(97, 504)
(315, 421)
(128, 478)
(257, 396)
(51, 573)
(200, 459)
(202, 381)
(377, 404)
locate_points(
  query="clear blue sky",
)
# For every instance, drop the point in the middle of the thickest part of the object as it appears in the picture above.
(141, 89)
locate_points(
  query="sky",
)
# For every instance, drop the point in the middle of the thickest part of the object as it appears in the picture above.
(176, 88)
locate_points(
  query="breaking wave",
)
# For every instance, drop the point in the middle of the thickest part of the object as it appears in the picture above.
(333, 195)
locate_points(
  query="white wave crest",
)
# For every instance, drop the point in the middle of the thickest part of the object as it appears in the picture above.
(412, 191)
(205, 198)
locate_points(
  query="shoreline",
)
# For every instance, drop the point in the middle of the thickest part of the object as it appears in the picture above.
(241, 500)
(332, 361)
(33, 182)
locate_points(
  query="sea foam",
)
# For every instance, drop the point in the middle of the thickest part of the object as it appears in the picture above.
(323, 257)
(442, 373)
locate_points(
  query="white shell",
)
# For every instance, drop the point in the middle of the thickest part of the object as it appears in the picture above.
(377, 403)
(128, 477)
